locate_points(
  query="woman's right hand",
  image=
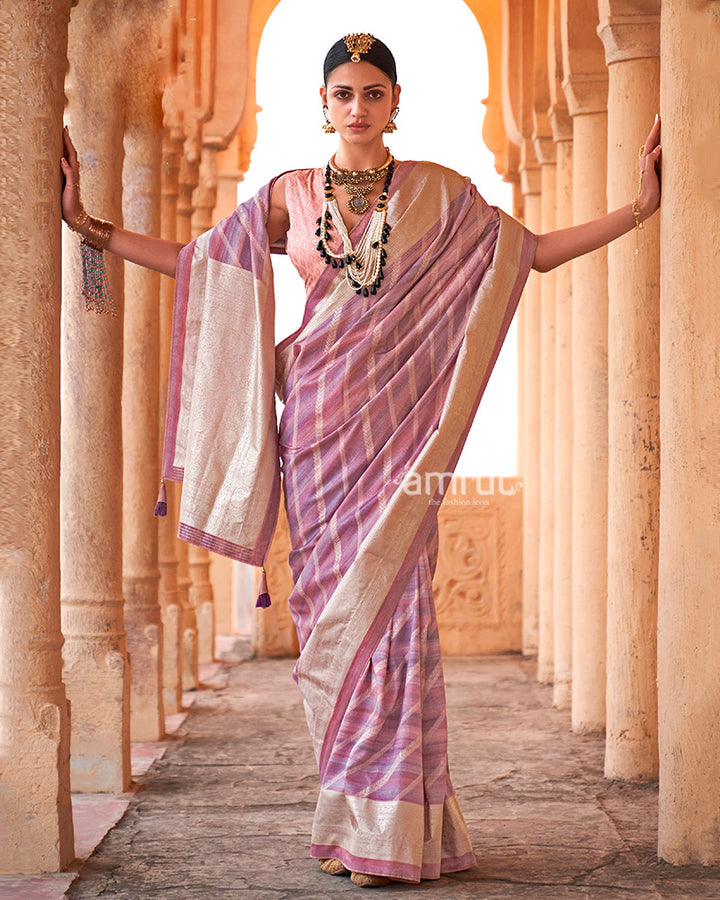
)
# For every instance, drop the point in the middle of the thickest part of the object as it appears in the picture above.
(71, 203)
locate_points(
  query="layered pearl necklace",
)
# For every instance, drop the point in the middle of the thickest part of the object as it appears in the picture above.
(364, 263)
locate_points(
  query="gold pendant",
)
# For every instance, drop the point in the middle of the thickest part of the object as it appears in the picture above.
(358, 204)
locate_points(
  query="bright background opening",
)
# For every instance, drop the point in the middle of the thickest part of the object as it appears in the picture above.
(442, 69)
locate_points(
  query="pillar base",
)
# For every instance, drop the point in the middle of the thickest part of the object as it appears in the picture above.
(172, 640)
(562, 694)
(143, 628)
(37, 826)
(99, 688)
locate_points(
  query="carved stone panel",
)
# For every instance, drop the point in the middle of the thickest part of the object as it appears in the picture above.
(478, 581)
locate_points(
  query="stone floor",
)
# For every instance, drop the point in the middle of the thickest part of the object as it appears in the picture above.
(226, 812)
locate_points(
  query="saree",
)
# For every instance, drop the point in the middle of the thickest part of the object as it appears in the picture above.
(379, 393)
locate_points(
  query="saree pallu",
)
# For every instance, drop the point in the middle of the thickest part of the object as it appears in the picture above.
(377, 389)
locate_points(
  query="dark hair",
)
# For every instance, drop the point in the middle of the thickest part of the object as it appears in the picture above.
(378, 55)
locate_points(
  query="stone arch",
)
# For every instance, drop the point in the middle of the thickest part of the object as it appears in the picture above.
(488, 16)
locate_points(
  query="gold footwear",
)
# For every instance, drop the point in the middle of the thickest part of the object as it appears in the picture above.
(333, 867)
(363, 880)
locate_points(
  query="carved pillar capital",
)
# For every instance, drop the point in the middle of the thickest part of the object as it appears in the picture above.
(530, 174)
(629, 30)
(561, 122)
(586, 93)
(544, 148)
(585, 76)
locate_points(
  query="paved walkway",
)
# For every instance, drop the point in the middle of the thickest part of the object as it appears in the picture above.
(227, 812)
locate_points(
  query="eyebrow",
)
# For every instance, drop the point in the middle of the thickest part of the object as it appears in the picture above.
(346, 87)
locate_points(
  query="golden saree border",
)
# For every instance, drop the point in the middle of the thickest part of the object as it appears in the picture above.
(407, 837)
(221, 432)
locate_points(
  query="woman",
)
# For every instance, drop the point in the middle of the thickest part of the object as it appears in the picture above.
(412, 281)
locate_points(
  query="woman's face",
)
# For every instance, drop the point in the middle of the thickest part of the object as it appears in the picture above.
(360, 100)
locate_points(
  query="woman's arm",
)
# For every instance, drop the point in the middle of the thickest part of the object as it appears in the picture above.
(558, 247)
(151, 252)
(278, 218)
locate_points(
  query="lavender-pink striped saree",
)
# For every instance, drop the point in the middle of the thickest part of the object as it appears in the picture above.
(375, 389)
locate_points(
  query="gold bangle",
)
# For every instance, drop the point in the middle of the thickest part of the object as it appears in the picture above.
(82, 217)
(638, 221)
(98, 233)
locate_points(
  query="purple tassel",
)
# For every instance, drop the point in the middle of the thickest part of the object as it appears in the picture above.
(161, 505)
(263, 600)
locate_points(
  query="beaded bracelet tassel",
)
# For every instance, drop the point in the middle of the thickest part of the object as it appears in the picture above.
(95, 284)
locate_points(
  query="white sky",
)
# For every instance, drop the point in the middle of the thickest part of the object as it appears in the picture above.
(442, 69)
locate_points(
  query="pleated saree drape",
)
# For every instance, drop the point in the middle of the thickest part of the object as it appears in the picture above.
(377, 390)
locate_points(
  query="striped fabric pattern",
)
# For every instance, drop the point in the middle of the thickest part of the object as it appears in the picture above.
(375, 389)
(366, 383)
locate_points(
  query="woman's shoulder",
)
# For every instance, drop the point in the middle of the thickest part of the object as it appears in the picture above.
(300, 176)
(432, 171)
(297, 182)
(425, 174)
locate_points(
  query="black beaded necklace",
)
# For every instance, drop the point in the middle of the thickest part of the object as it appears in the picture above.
(363, 264)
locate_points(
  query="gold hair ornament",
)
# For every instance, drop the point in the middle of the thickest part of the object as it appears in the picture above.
(358, 44)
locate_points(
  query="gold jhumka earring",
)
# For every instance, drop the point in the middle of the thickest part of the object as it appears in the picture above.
(328, 127)
(391, 126)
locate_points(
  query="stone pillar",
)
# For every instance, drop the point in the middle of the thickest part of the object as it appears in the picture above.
(205, 195)
(689, 562)
(586, 92)
(200, 590)
(200, 594)
(546, 652)
(561, 126)
(36, 829)
(228, 178)
(222, 578)
(632, 47)
(562, 562)
(222, 569)
(273, 630)
(530, 350)
(169, 594)
(518, 92)
(187, 182)
(141, 375)
(97, 673)
(545, 673)
(545, 153)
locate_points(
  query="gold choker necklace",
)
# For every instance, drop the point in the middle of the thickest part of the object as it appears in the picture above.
(358, 183)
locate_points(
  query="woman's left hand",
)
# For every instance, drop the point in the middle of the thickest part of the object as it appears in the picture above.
(649, 196)
(70, 200)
